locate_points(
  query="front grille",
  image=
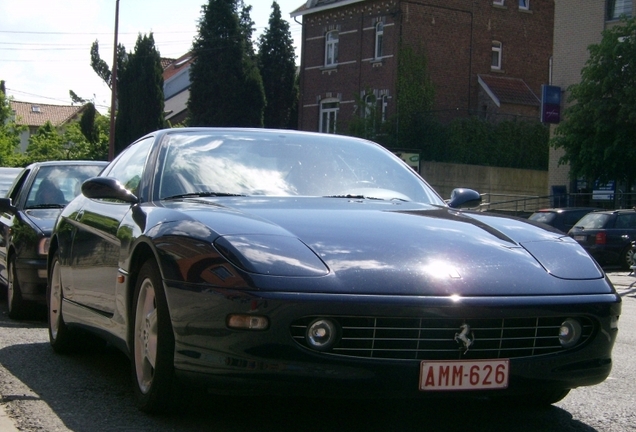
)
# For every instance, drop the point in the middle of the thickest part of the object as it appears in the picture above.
(434, 339)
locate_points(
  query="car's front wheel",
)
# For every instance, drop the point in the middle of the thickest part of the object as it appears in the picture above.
(61, 337)
(152, 343)
(15, 304)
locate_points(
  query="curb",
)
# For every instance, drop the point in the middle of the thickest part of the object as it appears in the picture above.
(6, 422)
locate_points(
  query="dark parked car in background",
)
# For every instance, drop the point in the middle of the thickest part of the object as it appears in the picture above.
(607, 236)
(27, 215)
(257, 261)
(560, 218)
(7, 177)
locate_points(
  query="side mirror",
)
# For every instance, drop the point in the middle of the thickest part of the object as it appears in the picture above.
(107, 188)
(6, 206)
(464, 198)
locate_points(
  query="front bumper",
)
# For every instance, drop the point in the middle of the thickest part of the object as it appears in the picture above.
(270, 361)
(31, 274)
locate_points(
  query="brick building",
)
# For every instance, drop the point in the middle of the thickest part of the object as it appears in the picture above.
(577, 25)
(486, 57)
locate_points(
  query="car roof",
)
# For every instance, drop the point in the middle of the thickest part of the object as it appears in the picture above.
(66, 162)
(565, 209)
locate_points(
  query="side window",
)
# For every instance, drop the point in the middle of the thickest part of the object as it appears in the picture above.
(498, 2)
(496, 55)
(129, 166)
(524, 4)
(331, 48)
(379, 36)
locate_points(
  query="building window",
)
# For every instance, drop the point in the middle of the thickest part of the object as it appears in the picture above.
(369, 102)
(524, 4)
(384, 100)
(331, 48)
(498, 2)
(379, 35)
(496, 56)
(328, 116)
(616, 8)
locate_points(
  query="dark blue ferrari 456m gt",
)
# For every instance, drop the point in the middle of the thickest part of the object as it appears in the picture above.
(275, 261)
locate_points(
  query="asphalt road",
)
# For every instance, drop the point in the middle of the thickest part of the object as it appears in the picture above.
(44, 392)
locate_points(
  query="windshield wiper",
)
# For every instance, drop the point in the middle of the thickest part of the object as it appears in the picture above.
(202, 194)
(46, 206)
(350, 196)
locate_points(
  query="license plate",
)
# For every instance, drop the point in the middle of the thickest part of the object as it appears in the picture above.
(464, 375)
(580, 238)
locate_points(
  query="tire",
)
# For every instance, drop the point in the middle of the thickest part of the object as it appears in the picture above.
(61, 338)
(15, 304)
(152, 344)
(628, 259)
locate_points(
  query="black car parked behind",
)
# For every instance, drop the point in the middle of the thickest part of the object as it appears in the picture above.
(607, 236)
(27, 214)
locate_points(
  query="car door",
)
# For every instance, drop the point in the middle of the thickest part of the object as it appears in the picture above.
(6, 222)
(620, 237)
(96, 243)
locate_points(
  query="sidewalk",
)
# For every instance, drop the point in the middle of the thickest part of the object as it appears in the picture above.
(6, 424)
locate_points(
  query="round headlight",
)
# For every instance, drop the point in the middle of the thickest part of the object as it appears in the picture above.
(322, 334)
(569, 333)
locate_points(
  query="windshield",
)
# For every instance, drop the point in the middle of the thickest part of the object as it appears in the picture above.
(56, 186)
(593, 221)
(237, 162)
(543, 217)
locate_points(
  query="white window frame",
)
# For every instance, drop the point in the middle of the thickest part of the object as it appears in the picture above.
(497, 50)
(384, 100)
(328, 115)
(524, 4)
(498, 2)
(379, 38)
(331, 48)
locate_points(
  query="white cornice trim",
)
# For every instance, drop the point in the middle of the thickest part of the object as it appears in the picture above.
(483, 85)
(323, 8)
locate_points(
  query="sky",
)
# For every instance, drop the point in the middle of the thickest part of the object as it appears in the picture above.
(45, 44)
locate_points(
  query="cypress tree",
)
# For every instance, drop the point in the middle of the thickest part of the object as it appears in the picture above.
(226, 87)
(140, 101)
(277, 64)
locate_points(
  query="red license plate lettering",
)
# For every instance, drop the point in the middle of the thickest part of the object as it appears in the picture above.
(464, 375)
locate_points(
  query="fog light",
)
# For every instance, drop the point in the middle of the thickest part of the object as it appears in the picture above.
(247, 322)
(569, 333)
(614, 323)
(322, 334)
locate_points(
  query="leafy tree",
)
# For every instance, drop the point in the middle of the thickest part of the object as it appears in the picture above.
(46, 144)
(598, 133)
(415, 96)
(68, 143)
(226, 86)
(277, 64)
(9, 133)
(140, 94)
(101, 68)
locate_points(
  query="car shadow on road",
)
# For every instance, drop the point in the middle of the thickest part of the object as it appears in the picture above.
(91, 391)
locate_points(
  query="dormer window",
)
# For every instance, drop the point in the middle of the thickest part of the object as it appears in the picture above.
(35, 108)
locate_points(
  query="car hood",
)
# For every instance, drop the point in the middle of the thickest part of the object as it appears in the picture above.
(44, 219)
(397, 247)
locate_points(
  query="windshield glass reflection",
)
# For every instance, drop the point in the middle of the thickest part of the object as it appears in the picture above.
(257, 163)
